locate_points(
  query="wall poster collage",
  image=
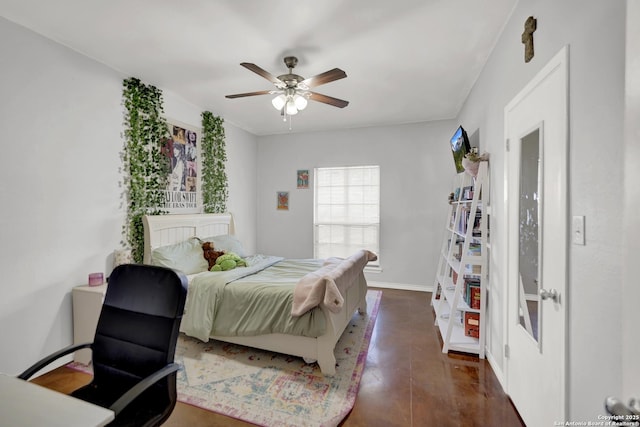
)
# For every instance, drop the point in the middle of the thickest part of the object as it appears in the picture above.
(182, 180)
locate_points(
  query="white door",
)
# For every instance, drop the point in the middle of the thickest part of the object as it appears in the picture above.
(536, 187)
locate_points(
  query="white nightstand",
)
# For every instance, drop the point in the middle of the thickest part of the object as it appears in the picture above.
(87, 303)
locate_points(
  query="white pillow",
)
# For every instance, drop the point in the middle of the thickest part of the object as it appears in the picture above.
(186, 256)
(227, 243)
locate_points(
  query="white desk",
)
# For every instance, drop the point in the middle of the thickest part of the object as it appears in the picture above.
(26, 404)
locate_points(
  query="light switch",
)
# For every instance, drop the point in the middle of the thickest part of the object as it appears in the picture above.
(578, 230)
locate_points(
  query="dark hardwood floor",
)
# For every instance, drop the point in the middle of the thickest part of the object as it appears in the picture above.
(407, 380)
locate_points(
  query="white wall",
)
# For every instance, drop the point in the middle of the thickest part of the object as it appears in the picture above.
(417, 171)
(61, 216)
(242, 171)
(631, 247)
(62, 213)
(594, 30)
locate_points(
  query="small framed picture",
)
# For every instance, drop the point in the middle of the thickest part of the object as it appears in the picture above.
(283, 200)
(467, 193)
(303, 178)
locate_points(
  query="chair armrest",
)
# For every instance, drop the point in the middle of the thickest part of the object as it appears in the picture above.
(50, 358)
(144, 384)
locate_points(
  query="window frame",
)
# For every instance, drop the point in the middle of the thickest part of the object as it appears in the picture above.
(364, 223)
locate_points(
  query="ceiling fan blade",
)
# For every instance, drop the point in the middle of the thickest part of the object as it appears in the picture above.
(241, 95)
(267, 75)
(340, 103)
(326, 77)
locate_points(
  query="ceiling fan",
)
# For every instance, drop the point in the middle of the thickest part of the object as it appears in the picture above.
(293, 90)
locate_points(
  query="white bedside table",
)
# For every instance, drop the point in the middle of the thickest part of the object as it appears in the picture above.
(87, 303)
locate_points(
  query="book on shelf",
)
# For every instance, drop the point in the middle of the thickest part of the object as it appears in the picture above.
(467, 193)
(461, 226)
(457, 252)
(475, 249)
(476, 224)
(463, 221)
(474, 298)
(458, 245)
(472, 324)
(471, 292)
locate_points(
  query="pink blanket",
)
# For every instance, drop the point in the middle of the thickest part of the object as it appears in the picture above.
(327, 284)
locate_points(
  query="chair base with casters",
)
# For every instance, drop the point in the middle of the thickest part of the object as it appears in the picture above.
(134, 346)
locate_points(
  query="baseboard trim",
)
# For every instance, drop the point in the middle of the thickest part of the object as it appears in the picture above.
(400, 286)
(496, 369)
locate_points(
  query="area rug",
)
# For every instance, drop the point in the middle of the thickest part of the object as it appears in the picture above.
(272, 389)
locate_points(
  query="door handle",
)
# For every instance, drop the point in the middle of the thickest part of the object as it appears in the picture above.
(615, 406)
(553, 294)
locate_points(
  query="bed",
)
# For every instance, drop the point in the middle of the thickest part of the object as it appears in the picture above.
(327, 320)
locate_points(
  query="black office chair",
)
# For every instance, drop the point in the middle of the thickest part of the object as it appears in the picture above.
(134, 346)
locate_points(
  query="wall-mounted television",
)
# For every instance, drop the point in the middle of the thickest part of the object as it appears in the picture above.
(459, 147)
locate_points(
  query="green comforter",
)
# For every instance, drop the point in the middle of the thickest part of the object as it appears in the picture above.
(253, 300)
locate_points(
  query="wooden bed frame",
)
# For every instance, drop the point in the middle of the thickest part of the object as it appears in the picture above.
(162, 230)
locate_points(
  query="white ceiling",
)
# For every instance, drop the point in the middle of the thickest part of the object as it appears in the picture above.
(406, 60)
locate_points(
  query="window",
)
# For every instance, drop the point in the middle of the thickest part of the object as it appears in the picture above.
(346, 211)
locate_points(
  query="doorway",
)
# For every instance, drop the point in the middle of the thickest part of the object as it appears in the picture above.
(536, 181)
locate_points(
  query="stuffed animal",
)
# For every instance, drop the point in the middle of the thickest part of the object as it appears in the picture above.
(210, 254)
(228, 261)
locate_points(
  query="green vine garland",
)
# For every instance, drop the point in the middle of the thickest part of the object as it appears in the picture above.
(145, 166)
(214, 157)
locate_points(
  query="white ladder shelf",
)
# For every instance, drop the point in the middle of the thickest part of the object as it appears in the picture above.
(462, 265)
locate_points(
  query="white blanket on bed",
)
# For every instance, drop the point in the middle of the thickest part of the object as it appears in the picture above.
(328, 284)
(205, 293)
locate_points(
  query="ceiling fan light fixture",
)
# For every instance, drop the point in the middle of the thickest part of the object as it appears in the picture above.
(278, 102)
(291, 107)
(300, 102)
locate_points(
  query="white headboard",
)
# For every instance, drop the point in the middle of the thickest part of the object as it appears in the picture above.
(162, 230)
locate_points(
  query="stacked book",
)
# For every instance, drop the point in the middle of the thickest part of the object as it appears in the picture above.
(471, 292)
